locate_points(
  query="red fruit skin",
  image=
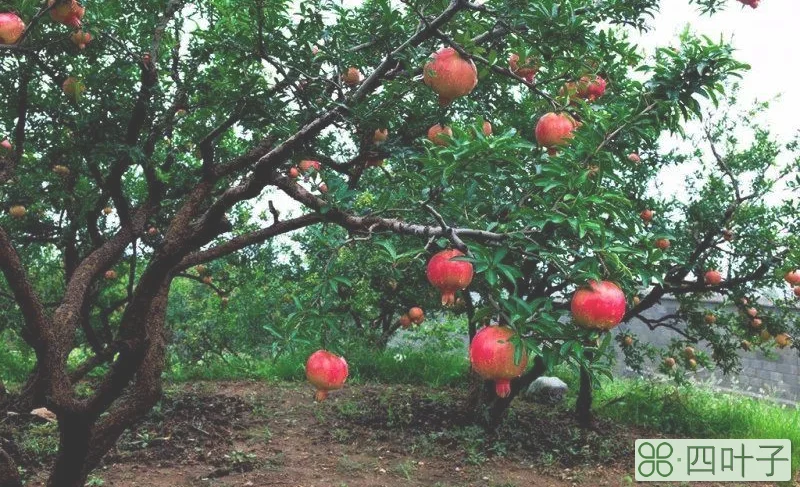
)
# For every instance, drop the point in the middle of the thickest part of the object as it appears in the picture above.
(437, 130)
(712, 277)
(306, 165)
(416, 314)
(448, 275)
(326, 371)
(352, 77)
(487, 129)
(492, 356)
(797, 291)
(751, 3)
(647, 215)
(81, 39)
(405, 321)
(11, 28)
(6, 145)
(69, 13)
(527, 71)
(596, 88)
(793, 278)
(450, 75)
(294, 173)
(663, 243)
(600, 306)
(380, 136)
(634, 157)
(554, 129)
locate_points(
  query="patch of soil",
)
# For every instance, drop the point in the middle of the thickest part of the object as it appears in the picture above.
(256, 434)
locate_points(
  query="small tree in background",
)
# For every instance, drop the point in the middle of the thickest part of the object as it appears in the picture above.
(152, 149)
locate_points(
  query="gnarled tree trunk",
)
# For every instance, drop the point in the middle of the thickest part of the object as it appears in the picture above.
(9, 476)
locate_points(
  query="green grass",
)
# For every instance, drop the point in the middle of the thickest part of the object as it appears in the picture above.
(396, 366)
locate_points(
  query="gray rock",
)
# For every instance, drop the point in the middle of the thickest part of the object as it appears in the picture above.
(547, 390)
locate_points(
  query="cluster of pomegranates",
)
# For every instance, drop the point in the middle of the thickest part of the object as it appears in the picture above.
(793, 278)
(68, 12)
(414, 316)
(307, 168)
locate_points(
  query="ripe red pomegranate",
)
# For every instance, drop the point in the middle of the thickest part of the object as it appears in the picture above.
(526, 70)
(306, 165)
(647, 215)
(449, 275)
(380, 136)
(326, 371)
(435, 132)
(634, 158)
(73, 88)
(69, 13)
(81, 39)
(713, 277)
(752, 312)
(751, 3)
(598, 306)
(450, 75)
(591, 89)
(792, 277)
(11, 28)
(492, 356)
(294, 173)
(6, 146)
(553, 130)
(416, 314)
(352, 76)
(663, 243)
(487, 128)
(110, 275)
(756, 322)
(405, 321)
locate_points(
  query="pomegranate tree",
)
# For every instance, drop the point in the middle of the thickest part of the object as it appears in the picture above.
(449, 275)
(450, 75)
(326, 371)
(492, 355)
(11, 28)
(598, 306)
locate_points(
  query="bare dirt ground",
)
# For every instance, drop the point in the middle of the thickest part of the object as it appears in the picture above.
(256, 434)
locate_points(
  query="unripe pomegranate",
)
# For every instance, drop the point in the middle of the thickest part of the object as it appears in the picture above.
(710, 319)
(526, 70)
(663, 243)
(326, 371)
(692, 363)
(323, 188)
(783, 340)
(449, 275)
(68, 13)
(450, 75)
(727, 235)
(11, 28)
(713, 277)
(792, 277)
(492, 356)
(756, 322)
(750, 3)
(61, 170)
(636, 300)
(294, 173)
(82, 39)
(487, 128)
(107, 210)
(669, 362)
(207, 279)
(553, 130)
(765, 336)
(17, 211)
(6, 146)
(598, 306)
(306, 165)
(688, 352)
(647, 215)
(405, 321)
(628, 341)
(110, 275)
(797, 291)
(752, 312)
(569, 89)
(352, 76)
(200, 269)
(435, 133)
(634, 158)
(73, 88)
(745, 345)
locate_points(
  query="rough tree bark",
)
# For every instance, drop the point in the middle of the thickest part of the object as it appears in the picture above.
(9, 475)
